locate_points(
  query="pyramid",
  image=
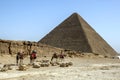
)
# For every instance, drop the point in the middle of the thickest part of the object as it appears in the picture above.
(75, 33)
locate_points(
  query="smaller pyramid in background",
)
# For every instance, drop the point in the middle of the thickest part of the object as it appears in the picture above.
(76, 34)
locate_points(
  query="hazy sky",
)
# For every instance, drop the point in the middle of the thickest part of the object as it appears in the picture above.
(33, 19)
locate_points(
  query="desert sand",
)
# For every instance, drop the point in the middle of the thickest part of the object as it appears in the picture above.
(83, 68)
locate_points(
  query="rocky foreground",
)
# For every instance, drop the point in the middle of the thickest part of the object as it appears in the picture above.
(83, 68)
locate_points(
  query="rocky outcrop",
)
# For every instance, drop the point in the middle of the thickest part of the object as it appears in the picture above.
(12, 47)
(4, 47)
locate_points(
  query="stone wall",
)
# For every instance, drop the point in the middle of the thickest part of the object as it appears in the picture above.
(4, 47)
(12, 47)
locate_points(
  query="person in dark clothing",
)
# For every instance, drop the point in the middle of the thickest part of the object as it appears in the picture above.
(19, 58)
(54, 56)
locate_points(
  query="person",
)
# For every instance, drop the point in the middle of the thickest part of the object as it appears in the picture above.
(54, 56)
(33, 56)
(61, 56)
(19, 58)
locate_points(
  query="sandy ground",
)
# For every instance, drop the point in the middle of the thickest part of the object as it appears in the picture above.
(82, 69)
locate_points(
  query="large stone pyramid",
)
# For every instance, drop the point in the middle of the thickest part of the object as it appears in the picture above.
(76, 34)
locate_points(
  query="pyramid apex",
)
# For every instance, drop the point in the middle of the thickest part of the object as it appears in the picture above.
(75, 13)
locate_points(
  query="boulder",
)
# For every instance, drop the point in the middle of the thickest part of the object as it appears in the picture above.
(36, 65)
(23, 68)
(6, 67)
(66, 64)
(70, 63)
(63, 65)
(44, 64)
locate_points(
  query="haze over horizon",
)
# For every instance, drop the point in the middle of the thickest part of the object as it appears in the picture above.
(31, 20)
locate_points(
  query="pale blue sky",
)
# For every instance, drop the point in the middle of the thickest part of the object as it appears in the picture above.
(33, 19)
